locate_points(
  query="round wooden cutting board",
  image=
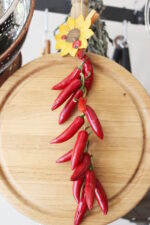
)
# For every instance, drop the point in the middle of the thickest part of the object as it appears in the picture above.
(29, 176)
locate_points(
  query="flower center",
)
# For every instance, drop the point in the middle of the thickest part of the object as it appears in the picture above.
(73, 35)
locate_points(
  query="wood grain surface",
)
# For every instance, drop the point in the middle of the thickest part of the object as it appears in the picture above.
(29, 176)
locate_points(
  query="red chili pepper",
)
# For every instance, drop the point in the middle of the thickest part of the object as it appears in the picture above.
(78, 149)
(101, 197)
(64, 37)
(81, 54)
(88, 71)
(82, 104)
(90, 183)
(77, 188)
(81, 169)
(65, 94)
(94, 122)
(64, 83)
(69, 107)
(76, 44)
(70, 131)
(65, 158)
(81, 209)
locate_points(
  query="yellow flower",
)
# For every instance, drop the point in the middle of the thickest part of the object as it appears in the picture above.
(73, 35)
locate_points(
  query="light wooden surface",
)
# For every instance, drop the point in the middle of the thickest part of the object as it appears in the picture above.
(30, 178)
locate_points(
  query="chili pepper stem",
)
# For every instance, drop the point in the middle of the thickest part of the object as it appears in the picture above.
(82, 81)
(82, 116)
(91, 166)
(81, 66)
(87, 146)
(84, 92)
(75, 100)
(90, 133)
(87, 128)
(89, 74)
(83, 88)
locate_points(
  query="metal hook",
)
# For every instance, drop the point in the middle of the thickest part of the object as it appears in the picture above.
(119, 40)
(46, 27)
(135, 6)
(46, 43)
(125, 30)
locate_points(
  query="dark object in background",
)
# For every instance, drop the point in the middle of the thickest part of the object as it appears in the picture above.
(121, 56)
(117, 55)
(15, 17)
(109, 13)
(121, 53)
(11, 69)
(141, 214)
(5, 40)
(126, 58)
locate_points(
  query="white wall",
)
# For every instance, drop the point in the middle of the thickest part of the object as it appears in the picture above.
(140, 58)
(139, 42)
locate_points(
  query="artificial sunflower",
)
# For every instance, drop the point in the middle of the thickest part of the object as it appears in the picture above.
(73, 35)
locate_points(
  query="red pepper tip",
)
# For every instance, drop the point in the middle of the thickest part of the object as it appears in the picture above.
(101, 136)
(60, 121)
(71, 179)
(53, 141)
(53, 107)
(90, 207)
(105, 212)
(54, 88)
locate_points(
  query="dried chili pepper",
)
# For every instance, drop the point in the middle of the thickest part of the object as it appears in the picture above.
(88, 73)
(81, 209)
(76, 188)
(69, 107)
(65, 93)
(101, 197)
(81, 169)
(79, 148)
(65, 158)
(94, 122)
(90, 183)
(74, 75)
(70, 131)
(82, 104)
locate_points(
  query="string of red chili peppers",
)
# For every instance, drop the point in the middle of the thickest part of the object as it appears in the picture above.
(85, 185)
